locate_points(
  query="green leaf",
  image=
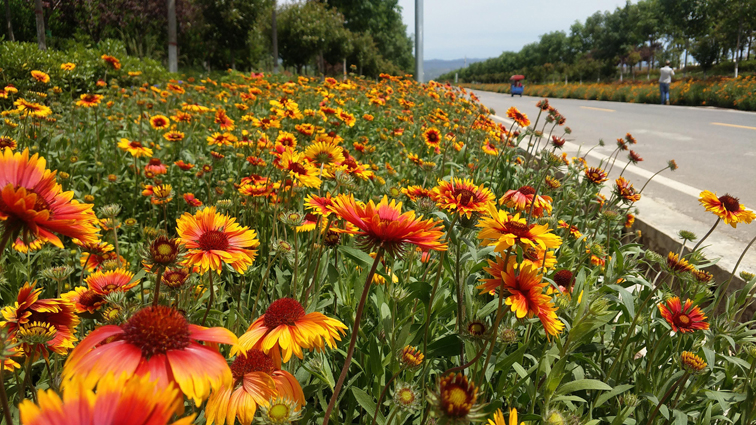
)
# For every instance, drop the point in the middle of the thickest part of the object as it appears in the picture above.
(367, 403)
(680, 417)
(619, 389)
(583, 384)
(627, 299)
(357, 255)
(448, 346)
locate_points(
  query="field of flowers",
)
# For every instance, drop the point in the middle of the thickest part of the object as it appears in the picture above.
(295, 250)
(723, 92)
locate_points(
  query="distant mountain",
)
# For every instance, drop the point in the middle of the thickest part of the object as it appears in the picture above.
(435, 67)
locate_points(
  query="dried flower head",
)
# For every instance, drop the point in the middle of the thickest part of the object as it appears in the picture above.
(406, 396)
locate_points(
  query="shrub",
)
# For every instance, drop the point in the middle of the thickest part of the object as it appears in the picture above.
(19, 59)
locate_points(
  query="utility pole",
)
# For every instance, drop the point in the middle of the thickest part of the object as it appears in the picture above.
(172, 39)
(419, 41)
(275, 40)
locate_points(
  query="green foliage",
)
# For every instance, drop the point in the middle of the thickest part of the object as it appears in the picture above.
(19, 59)
(723, 92)
(608, 44)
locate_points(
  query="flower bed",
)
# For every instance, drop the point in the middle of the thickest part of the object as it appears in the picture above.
(722, 92)
(258, 248)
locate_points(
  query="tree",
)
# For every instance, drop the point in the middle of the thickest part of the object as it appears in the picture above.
(8, 23)
(705, 50)
(382, 20)
(40, 14)
(306, 30)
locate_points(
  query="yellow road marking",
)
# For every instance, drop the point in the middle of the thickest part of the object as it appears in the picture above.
(733, 125)
(598, 109)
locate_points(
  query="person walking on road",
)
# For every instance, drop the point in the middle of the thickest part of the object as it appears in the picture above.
(665, 78)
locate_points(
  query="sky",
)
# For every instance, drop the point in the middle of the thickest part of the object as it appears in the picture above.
(485, 28)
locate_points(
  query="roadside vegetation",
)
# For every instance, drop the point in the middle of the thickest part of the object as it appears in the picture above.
(633, 42)
(285, 249)
(723, 92)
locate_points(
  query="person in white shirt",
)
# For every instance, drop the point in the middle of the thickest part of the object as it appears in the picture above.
(665, 78)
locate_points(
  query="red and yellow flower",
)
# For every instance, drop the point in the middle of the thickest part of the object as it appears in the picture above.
(33, 203)
(522, 198)
(213, 239)
(89, 100)
(726, 207)
(158, 341)
(257, 378)
(136, 149)
(299, 169)
(518, 117)
(385, 226)
(525, 288)
(55, 317)
(160, 122)
(286, 329)
(108, 282)
(119, 400)
(503, 231)
(462, 197)
(683, 318)
(40, 76)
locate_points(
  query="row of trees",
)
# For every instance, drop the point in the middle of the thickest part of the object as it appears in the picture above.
(646, 33)
(219, 34)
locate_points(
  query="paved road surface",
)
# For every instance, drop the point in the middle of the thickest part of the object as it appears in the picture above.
(715, 149)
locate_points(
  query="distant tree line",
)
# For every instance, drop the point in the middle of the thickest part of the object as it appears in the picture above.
(314, 35)
(617, 44)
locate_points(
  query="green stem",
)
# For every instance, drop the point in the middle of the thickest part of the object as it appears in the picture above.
(156, 295)
(383, 394)
(355, 333)
(4, 397)
(631, 329)
(706, 235)
(7, 233)
(669, 392)
(723, 290)
(259, 288)
(211, 299)
(495, 330)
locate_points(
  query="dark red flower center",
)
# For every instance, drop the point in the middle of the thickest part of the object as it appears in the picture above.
(683, 321)
(564, 278)
(90, 298)
(516, 228)
(432, 137)
(135, 145)
(213, 240)
(297, 168)
(155, 161)
(465, 196)
(40, 204)
(526, 190)
(284, 311)
(157, 330)
(730, 203)
(252, 361)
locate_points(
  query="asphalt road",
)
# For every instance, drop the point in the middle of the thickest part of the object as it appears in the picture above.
(715, 149)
